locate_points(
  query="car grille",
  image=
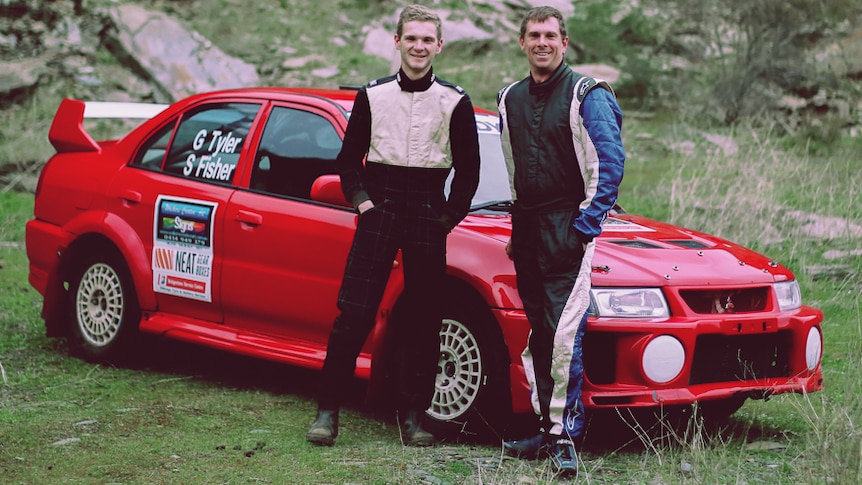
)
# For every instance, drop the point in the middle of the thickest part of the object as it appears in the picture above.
(717, 358)
(744, 300)
(723, 358)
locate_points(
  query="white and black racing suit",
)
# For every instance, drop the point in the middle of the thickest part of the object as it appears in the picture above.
(414, 132)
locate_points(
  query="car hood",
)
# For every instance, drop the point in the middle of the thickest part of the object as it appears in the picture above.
(637, 251)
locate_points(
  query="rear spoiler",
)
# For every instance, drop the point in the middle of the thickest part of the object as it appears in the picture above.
(67, 133)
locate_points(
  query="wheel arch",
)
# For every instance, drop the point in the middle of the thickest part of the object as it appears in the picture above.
(459, 294)
(84, 245)
(73, 254)
(108, 231)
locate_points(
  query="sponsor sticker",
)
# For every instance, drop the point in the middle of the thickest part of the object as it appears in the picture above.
(182, 247)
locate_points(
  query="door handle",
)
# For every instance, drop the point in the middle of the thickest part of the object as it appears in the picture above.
(130, 197)
(248, 219)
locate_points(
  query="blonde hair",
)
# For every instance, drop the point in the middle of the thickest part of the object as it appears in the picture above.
(421, 13)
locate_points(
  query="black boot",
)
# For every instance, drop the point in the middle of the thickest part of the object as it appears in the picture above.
(531, 448)
(412, 434)
(324, 429)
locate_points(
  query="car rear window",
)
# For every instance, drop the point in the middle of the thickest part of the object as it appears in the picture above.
(153, 152)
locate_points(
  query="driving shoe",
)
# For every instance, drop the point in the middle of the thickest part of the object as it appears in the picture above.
(324, 429)
(530, 448)
(564, 460)
(412, 433)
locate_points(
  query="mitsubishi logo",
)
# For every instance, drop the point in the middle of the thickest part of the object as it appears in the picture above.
(723, 304)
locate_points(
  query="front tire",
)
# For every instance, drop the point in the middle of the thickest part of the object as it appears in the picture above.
(471, 388)
(103, 308)
(718, 411)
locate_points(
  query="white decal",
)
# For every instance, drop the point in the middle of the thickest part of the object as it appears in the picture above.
(209, 165)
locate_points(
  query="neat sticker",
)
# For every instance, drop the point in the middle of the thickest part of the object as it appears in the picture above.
(182, 247)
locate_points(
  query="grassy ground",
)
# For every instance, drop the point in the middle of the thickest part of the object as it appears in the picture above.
(190, 415)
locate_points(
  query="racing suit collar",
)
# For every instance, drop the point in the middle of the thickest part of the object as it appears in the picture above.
(421, 84)
(547, 86)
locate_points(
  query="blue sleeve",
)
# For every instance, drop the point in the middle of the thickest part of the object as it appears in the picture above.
(603, 120)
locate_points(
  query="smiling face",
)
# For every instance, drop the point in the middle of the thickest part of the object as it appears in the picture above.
(418, 44)
(545, 46)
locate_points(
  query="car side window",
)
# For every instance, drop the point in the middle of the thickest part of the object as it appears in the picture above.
(209, 140)
(296, 147)
(153, 151)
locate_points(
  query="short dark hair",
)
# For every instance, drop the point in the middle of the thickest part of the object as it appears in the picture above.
(540, 14)
(421, 13)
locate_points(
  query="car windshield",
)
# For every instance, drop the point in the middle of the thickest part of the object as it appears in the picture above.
(493, 192)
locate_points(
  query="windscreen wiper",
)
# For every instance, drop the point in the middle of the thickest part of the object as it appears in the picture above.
(494, 205)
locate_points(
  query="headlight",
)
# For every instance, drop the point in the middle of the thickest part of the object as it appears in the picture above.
(663, 359)
(789, 296)
(628, 302)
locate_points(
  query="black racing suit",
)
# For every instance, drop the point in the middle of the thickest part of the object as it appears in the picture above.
(565, 156)
(414, 133)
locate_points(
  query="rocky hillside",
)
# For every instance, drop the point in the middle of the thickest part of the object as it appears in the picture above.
(682, 56)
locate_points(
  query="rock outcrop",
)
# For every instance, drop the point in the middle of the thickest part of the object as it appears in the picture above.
(177, 59)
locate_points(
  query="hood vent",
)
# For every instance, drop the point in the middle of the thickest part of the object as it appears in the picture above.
(688, 243)
(640, 243)
(635, 243)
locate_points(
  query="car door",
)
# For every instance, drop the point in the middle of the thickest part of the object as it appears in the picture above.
(174, 194)
(285, 254)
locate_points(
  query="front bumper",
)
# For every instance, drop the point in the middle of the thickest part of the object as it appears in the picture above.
(729, 356)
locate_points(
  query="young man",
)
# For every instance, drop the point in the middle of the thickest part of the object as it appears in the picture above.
(414, 129)
(561, 138)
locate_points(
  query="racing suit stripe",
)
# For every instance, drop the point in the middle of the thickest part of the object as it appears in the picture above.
(506, 140)
(568, 364)
(588, 158)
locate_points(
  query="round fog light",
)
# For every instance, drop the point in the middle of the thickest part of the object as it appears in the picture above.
(663, 359)
(813, 347)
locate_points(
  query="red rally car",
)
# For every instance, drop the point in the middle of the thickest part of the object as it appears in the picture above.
(220, 221)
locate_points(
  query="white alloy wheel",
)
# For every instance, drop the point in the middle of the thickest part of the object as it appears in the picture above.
(99, 305)
(459, 372)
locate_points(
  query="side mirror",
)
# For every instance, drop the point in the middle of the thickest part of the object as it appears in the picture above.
(327, 189)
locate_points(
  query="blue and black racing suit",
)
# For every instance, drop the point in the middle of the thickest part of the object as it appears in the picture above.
(565, 158)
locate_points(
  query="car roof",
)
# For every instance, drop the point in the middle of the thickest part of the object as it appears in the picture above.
(342, 96)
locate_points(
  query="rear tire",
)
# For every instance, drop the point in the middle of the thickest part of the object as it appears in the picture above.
(103, 308)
